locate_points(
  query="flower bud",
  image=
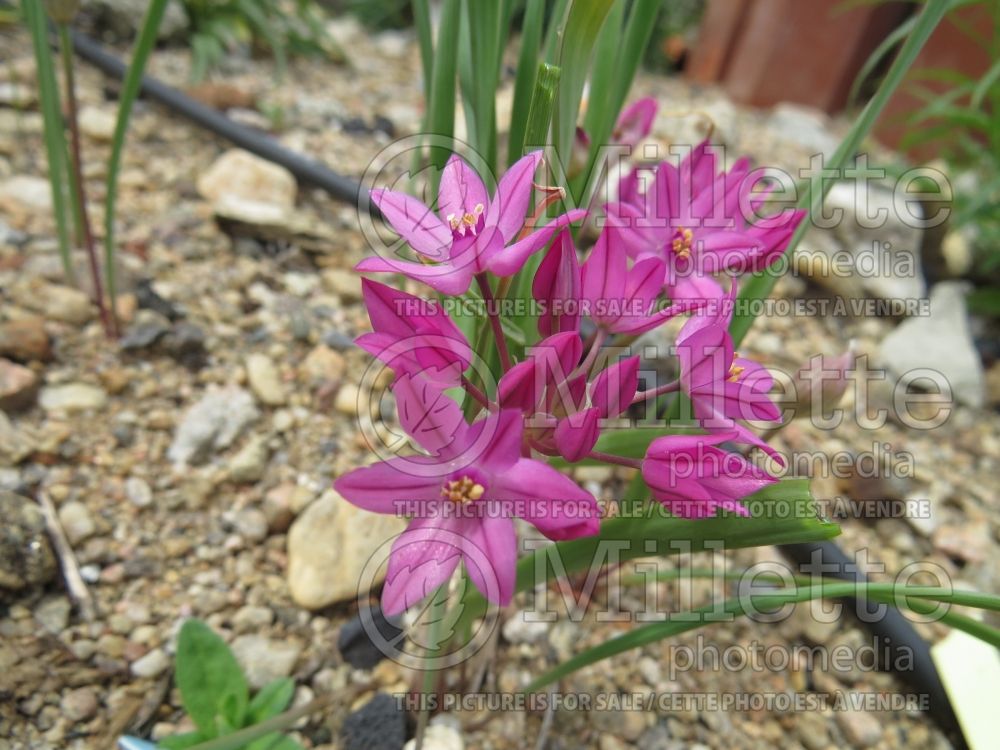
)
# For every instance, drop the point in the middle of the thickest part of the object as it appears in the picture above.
(61, 11)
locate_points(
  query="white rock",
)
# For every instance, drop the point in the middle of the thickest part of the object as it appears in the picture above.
(97, 123)
(264, 660)
(519, 629)
(252, 524)
(329, 546)
(942, 342)
(213, 423)
(55, 302)
(72, 397)
(152, 664)
(265, 381)
(26, 192)
(240, 174)
(76, 521)
(805, 126)
(439, 737)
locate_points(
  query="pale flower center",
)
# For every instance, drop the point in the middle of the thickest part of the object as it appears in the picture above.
(681, 243)
(462, 490)
(466, 222)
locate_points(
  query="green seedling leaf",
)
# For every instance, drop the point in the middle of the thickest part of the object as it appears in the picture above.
(213, 688)
(272, 699)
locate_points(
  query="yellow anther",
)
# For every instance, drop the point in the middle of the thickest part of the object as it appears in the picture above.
(734, 372)
(682, 243)
(462, 490)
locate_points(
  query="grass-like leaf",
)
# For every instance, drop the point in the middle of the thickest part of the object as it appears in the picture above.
(55, 140)
(920, 599)
(784, 515)
(524, 81)
(130, 90)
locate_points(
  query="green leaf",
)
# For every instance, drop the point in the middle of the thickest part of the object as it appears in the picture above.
(211, 682)
(524, 81)
(783, 513)
(182, 741)
(130, 90)
(759, 286)
(915, 597)
(575, 49)
(52, 121)
(274, 741)
(441, 100)
(271, 700)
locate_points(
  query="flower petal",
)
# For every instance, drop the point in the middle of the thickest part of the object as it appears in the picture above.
(509, 260)
(490, 555)
(551, 502)
(386, 486)
(415, 223)
(460, 190)
(422, 558)
(510, 203)
(429, 416)
(442, 277)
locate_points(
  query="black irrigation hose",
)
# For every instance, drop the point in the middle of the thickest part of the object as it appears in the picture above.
(898, 642)
(306, 170)
(893, 629)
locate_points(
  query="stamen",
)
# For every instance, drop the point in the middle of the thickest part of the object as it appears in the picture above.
(681, 243)
(462, 490)
(734, 373)
(467, 221)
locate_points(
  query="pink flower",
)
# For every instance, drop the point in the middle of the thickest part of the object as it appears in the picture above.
(462, 498)
(620, 299)
(413, 335)
(723, 387)
(472, 233)
(700, 222)
(693, 478)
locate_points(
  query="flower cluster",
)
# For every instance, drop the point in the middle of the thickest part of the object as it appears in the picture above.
(659, 255)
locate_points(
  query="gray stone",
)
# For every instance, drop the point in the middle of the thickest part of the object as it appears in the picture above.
(329, 546)
(79, 704)
(264, 660)
(212, 424)
(138, 492)
(26, 557)
(250, 462)
(942, 342)
(76, 521)
(252, 524)
(123, 18)
(52, 613)
(15, 445)
(861, 728)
